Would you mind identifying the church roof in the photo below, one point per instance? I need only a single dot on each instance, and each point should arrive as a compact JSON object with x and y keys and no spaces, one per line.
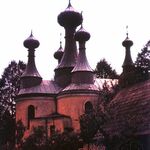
{"x":80,"y":87}
{"x":131,"y":106}
{"x":46,"y":87}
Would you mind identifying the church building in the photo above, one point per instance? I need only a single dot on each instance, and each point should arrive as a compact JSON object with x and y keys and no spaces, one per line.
{"x":57,"y":104}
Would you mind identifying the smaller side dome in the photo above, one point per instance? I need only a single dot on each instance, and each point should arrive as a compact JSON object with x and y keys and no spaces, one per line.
{"x":59,"y":53}
{"x":31,"y":42}
{"x":82,"y":35}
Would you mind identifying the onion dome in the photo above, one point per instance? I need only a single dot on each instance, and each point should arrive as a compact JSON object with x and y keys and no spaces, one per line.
{"x":82,"y":63}
{"x":59,"y":53}
{"x":31,"y":76}
{"x":127,"y":42}
{"x":128,"y":74}
{"x":31,"y":42}
{"x":82,"y":73}
{"x":70,"y":17}
{"x":82,"y":35}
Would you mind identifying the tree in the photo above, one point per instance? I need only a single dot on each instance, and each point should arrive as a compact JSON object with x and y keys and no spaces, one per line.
{"x":20,"y":129}
{"x":36,"y":141}
{"x":143,"y":58}
{"x":104,"y":70}
{"x":92,"y":123}
{"x":142,"y":63}
{"x":68,"y":140}
{"x":7,"y":130}
{"x":9,"y":87}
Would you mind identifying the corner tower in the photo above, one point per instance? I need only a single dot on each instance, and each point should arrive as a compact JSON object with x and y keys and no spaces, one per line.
{"x":35,"y":101}
{"x":69,"y":19}
{"x":128,"y":75}
{"x":31,"y":73}
{"x":128,"y":63}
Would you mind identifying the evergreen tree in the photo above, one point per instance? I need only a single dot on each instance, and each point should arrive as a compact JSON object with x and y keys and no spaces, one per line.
{"x":142,"y":63}
{"x":143,"y":58}
{"x":104,"y":70}
{"x":9,"y":87}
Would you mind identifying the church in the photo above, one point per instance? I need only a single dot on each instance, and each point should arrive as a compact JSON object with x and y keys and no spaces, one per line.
{"x":57,"y":104}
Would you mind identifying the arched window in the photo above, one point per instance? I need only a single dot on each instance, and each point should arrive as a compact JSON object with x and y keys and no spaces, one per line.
{"x":88,"y":107}
{"x":31,"y":114}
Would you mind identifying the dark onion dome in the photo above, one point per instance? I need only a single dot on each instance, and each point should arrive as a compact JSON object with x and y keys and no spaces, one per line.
{"x":69,"y":17}
{"x":127,"y":42}
{"x":82,"y":63}
{"x":59,"y":53}
{"x":31,"y":42}
{"x":31,"y":76}
{"x":82,"y":35}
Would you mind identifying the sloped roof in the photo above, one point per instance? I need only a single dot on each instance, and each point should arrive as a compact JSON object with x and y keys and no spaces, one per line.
{"x":80,"y":87}
{"x":47,"y":87}
{"x":131,"y":106}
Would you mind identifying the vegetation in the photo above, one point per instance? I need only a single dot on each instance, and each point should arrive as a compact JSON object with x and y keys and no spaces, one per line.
{"x":104,"y":70}
{"x":142,"y":63}
{"x":20,"y":129}
{"x":9,"y":87}
{"x":92,"y":122}
{"x":68,"y":140}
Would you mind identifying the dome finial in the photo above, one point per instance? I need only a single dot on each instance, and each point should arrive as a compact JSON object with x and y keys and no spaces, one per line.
{"x":82,"y":17}
{"x":69,"y":3}
{"x":31,"y":33}
{"x":60,"y":40}
{"x":127,"y":31}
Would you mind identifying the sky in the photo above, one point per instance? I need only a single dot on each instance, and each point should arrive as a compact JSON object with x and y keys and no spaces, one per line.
{"x":105,"y":20}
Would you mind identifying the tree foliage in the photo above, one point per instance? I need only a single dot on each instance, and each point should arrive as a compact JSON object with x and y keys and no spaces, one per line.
{"x":143,"y":58}
{"x":104,"y":70}
{"x":68,"y":140}
{"x":142,"y":63}
{"x":36,"y":141}
{"x":7,"y":130}
{"x":65,"y":141}
{"x":9,"y":87}
{"x":20,"y":129}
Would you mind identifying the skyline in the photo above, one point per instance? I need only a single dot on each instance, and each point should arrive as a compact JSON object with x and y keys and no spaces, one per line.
{"x":105,"y":21}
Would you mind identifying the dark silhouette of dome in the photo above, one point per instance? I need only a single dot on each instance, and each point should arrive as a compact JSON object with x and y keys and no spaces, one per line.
{"x":31,"y":42}
{"x":82,"y":63}
{"x":82,"y":73}
{"x":82,"y":35}
{"x":127,"y":42}
{"x":31,"y":76}
{"x":69,"y":17}
{"x":59,"y":53}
